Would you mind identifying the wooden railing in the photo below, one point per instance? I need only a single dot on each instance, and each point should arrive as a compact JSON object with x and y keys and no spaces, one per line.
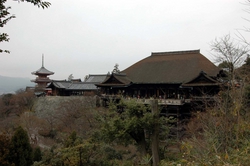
{"x":165,"y":101}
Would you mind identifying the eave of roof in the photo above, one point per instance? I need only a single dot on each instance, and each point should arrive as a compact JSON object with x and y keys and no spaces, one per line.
{"x":42,"y":70}
{"x":113,"y":85}
{"x":119,"y":78}
{"x":69,"y":85}
{"x":202,"y":80}
{"x":60,"y":84}
{"x":96,"y":78}
{"x":201,"y":84}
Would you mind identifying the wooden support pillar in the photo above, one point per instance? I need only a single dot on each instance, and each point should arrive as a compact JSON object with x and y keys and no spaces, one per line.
{"x":155,"y":133}
{"x":178,"y":119}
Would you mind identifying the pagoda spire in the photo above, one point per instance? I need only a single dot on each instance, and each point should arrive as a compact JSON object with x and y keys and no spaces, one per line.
{"x":42,"y":61}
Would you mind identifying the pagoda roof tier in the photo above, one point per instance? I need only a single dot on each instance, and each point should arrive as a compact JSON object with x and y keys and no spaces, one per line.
{"x":42,"y":71}
{"x":41,"y":80}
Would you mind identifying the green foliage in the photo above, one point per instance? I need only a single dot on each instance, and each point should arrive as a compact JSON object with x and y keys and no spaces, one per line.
{"x":125,"y":122}
{"x":247,"y":61}
{"x":85,"y":153}
{"x":244,"y":71}
{"x":38,"y":3}
{"x":146,"y":160}
{"x":4,"y":18}
{"x":130,"y":122}
{"x":72,"y":140}
{"x":37,"y":155}
{"x":20,"y":148}
{"x":226,"y":64}
{"x":219,"y":136}
{"x":111,"y":153}
{"x":7,"y":99}
{"x":247,"y":94}
{"x":4,"y":149}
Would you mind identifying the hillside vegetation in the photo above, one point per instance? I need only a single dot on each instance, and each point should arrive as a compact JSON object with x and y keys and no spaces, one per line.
{"x":73,"y":131}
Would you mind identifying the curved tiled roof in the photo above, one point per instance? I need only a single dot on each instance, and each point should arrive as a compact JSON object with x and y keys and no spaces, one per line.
{"x":116,"y":80}
{"x":97,"y":78}
{"x":43,"y":70}
{"x":170,"y":67}
{"x":60,"y":84}
{"x":71,"y":85}
{"x":202,"y":80}
{"x":82,"y":86}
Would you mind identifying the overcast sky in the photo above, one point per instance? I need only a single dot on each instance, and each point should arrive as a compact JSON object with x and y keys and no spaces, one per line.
{"x":82,"y":37}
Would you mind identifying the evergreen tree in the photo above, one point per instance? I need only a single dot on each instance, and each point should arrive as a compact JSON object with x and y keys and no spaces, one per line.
{"x":131,"y":121}
{"x":37,"y":156}
{"x":4,"y":149}
{"x":20,"y":148}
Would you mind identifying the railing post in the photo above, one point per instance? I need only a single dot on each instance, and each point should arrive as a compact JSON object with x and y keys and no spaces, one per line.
{"x":155,"y":132}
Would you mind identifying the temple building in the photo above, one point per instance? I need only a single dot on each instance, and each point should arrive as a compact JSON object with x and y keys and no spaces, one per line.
{"x":175,"y":78}
{"x":181,"y":81}
{"x":42,"y":78}
{"x":75,"y":87}
{"x":179,"y":74}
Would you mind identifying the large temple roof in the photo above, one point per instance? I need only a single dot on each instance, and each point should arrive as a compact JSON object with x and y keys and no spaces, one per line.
{"x":170,"y":67}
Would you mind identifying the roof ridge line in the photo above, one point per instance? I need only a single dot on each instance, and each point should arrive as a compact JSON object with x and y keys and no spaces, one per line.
{"x":176,"y":52}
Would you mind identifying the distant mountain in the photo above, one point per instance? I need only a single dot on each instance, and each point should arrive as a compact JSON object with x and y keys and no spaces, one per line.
{"x":12,"y":84}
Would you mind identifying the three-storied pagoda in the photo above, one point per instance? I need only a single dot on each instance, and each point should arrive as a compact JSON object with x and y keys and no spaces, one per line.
{"x":42,"y":78}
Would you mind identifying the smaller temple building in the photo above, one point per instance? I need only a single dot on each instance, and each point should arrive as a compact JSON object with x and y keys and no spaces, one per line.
{"x":75,"y":87}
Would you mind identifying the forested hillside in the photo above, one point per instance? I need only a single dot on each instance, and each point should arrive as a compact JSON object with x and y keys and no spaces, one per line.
{"x":77,"y":130}
{"x":74,"y":131}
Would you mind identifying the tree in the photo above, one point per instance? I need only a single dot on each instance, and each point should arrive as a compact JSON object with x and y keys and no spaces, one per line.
{"x":37,"y":156}
{"x":230,"y":53}
{"x":233,"y":54}
{"x":4,"y":149}
{"x":116,"y":69}
{"x":76,"y":114}
{"x":70,"y":77}
{"x":5,"y":16}
{"x":220,"y":134}
{"x":132,"y":122}
{"x":127,"y":121}
{"x":16,"y":104}
{"x":7,"y":104}
{"x":24,"y":100}
{"x":225,"y":64}
{"x":86,"y":78}
{"x":71,"y":141}
{"x":20,"y":148}
{"x":244,"y":70}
